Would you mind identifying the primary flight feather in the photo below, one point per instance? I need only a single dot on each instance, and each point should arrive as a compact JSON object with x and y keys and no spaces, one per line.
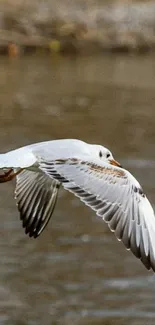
{"x":91,"y":173}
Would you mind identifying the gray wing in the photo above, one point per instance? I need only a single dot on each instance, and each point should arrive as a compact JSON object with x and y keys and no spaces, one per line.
{"x":36,"y":196}
{"x":116,"y":196}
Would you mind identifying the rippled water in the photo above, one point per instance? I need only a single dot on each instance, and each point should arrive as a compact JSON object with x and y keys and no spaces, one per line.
{"x":76,"y":272}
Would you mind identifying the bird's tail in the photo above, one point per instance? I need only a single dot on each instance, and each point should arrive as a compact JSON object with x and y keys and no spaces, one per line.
{"x":19,"y":158}
{"x":3,"y":161}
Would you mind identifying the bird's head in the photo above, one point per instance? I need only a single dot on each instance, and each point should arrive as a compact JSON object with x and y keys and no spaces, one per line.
{"x":106,"y":155}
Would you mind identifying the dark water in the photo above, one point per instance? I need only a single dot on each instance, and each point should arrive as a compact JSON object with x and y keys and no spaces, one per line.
{"x":76,"y":272}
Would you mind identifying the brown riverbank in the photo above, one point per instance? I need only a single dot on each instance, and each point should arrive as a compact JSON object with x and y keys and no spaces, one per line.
{"x":76,"y":26}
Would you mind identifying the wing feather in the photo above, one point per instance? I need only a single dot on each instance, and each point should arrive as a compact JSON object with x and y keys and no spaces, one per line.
{"x":36,"y":196}
{"x":116,"y":196}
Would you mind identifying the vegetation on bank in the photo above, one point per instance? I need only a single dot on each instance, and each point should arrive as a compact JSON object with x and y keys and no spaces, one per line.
{"x":79,"y":26}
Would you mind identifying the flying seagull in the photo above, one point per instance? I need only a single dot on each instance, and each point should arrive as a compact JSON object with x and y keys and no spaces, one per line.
{"x":90,"y":172}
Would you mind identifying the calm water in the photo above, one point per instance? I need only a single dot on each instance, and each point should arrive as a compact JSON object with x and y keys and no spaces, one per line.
{"x":76,"y":272}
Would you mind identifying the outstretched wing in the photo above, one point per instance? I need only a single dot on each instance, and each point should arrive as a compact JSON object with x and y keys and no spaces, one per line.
{"x":116,"y":196}
{"x":36,"y":196}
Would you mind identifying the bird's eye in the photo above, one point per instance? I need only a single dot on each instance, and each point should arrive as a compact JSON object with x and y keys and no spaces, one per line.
{"x":108,"y":155}
{"x":100,"y":154}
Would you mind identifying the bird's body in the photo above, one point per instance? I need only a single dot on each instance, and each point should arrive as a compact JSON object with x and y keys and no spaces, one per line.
{"x":57,"y":149}
{"x":91,"y":173}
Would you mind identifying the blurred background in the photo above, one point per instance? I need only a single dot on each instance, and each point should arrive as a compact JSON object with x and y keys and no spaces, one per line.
{"x":76,"y":69}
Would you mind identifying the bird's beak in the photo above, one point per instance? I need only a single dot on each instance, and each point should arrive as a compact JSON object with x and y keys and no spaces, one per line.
{"x":115,"y":163}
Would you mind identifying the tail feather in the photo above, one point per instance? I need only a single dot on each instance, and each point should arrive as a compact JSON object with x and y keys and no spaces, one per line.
{"x":19,"y":158}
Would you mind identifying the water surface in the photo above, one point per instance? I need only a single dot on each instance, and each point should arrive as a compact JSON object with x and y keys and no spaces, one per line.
{"x":76,"y":272}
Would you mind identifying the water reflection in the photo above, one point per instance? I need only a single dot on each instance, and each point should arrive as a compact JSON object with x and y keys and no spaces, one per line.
{"x":76,"y":272}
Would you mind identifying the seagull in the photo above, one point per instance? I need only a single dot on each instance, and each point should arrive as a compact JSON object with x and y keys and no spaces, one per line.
{"x":91,"y":173}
